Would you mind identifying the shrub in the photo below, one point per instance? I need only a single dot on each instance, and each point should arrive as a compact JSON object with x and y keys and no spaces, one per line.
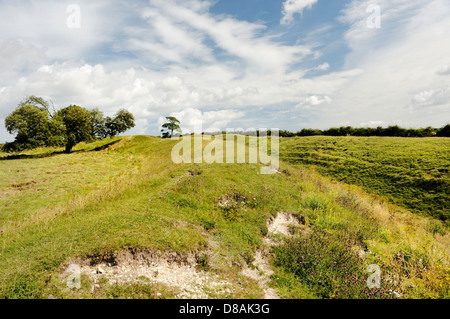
{"x":329,"y":266}
{"x":436,"y":227}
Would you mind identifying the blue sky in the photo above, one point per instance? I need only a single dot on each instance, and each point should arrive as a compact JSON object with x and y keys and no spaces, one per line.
{"x":287,"y":64}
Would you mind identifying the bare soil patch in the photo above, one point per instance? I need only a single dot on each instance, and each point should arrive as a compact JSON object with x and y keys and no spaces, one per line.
{"x":173,"y":269}
{"x":281,"y":224}
{"x":261,"y":272}
{"x":23,"y":186}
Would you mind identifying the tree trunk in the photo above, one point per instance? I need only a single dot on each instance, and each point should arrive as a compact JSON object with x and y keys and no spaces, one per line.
{"x":68,"y":148}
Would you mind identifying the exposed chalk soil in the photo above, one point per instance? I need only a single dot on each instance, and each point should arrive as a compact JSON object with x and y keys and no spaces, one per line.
{"x":181,"y":271}
{"x":281,"y":223}
{"x":172,"y":269}
{"x":262,"y":271}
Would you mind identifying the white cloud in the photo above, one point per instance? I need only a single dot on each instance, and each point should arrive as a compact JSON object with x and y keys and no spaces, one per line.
{"x":193,"y":120}
{"x":373,"y":124}
{"x":169,"y":63}
{"x":291,"y":7}
{"x":44,"y":24}
{"x":323,"y":67}
{"x":432,"y":97}
{"x":238,"y":39}
{"x":313,"y":101}
{"x":17,"y":58}
{"x":444,"y":70}
{"x":399,"y":65}
{"x":163,"y":57}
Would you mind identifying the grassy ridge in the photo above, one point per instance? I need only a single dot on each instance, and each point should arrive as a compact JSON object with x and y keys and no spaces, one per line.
{"x":137,"y":198}
{"x":414,"y":173}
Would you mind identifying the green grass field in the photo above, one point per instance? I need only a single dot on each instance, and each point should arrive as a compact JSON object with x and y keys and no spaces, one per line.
{"x":96,"y":203}
{"x":410,"y":172}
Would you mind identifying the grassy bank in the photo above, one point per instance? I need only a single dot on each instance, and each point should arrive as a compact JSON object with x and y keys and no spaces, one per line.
{"x":413,"y":173}
{"x":97,"y":202}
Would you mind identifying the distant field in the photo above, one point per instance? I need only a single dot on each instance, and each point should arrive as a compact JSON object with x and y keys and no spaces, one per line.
{"x":411,"y":172}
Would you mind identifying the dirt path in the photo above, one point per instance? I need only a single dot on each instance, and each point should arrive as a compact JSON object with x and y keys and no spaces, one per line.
{"x":262,"y":273}
{"x":262,"y":270}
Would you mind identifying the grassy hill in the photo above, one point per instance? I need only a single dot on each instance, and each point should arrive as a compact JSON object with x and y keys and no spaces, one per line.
{"x":413,"y":173}
{"x":140,"y":226}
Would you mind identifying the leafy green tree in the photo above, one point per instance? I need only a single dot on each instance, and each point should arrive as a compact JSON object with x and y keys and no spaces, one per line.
{"x":40,"y":103}
{"x":120,"y":123}
{"x":170,"y":127}
{"x":98,"y":123}
{"x":444,"y":131}
{"x":36,"y":123}
{"x":32,"y":126}
{"x":427,"y":132}
{"x":78,"y":125}
{"x":309,"y":132}
{"x":110,"y":127}
{"x":334,"y":131}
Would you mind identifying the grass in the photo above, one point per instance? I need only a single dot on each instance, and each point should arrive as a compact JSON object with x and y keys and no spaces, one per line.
{"x":410,"y":172}
{"x":135,"y":197}
{"x":38,"y":182}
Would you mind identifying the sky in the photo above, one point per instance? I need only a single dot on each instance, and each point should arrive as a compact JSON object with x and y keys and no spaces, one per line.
{"x":242,"y":64}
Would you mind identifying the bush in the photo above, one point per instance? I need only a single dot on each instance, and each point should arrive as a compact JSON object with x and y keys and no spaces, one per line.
{"x":368,"y":131}
{"x":444,"y":132}
{"x":436,"y":227}
{"x":328,"y":266}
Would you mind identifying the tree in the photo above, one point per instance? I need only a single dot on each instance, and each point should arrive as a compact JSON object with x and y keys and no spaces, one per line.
{"x":31,"y":124}
{"x":83,"y":125}
{"x":170,"y":127}
{"x":121,"y":122}
{"x":98,"y":123}
{"x":36,"y":124}
{"x":40,"y":103}
{"x":444,"y":131}
{"x":110,"y":127}
{"x":78,"y":125}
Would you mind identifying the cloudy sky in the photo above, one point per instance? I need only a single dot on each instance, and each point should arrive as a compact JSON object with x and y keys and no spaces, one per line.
{"x":287,"y":64}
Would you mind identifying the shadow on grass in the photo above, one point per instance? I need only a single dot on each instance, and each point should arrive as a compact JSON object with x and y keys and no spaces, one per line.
{"x":50,"y":154}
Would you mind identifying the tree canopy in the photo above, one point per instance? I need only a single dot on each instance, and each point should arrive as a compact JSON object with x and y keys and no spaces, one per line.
{"x":171,"y":126}
{"x":35,"y":125}
{"x":32,"y":126}
{"x":78,"y":125}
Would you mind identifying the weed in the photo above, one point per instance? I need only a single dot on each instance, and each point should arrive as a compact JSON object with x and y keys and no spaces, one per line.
{"x":203,"y":263}
{"x":208,"y":223}
{"x":232,"y":203}
{"x":433,"y":284}
{"x":327,"y":265}
{"x":314,"y":204}
{"x":436,"y":227}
